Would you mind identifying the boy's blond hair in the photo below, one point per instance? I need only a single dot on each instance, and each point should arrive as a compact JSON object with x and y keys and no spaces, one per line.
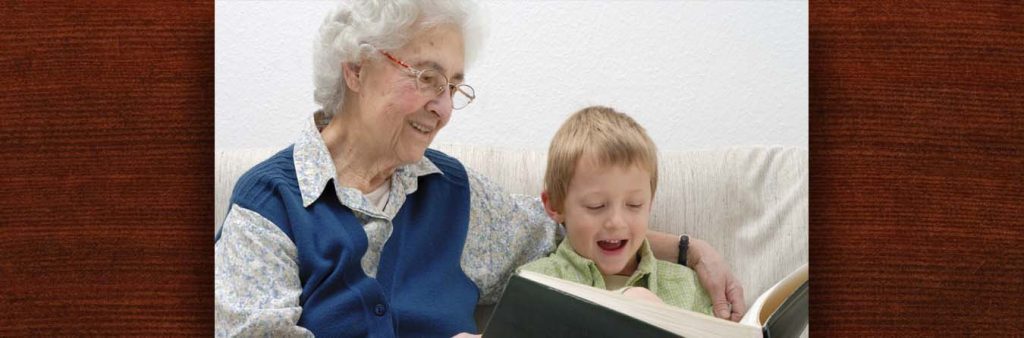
{"x":610,"y":137}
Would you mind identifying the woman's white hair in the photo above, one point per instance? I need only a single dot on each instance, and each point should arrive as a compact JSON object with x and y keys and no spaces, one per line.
{"x":348,"y":32}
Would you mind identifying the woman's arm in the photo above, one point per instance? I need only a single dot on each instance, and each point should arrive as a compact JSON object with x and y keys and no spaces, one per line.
{"x":712,"y":271}
{"x":256,"y":279}
{"x":505,"y":231}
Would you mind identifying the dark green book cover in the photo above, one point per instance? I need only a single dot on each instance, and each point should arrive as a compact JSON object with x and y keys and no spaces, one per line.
{"x":531,"y":309}
{"x":790,"y":318}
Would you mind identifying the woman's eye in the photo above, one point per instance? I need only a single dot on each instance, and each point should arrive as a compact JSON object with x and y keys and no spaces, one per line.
{"x":634,"y":206}
{"x":595,"y":207}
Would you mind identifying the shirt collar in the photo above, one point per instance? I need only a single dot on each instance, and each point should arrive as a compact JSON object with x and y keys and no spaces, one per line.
{"x":314,"y":167}
{"x":586,"y":267}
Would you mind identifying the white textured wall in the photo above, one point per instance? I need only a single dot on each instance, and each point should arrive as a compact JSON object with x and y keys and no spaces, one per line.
{"x":697,"y":75}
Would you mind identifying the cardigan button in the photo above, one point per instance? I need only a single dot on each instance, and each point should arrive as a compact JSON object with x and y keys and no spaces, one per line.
{"x":380,"y":310}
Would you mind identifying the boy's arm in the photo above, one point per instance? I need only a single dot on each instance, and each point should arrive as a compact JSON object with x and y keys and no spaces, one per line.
{"x":546,"y":266}
{"x":712,"y":271}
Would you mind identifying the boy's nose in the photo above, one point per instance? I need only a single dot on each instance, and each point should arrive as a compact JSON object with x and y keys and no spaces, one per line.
{"x":616,"y":219}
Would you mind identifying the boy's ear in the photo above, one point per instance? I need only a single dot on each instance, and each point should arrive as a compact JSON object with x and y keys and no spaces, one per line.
{"x":352,"y":72}
{"x":548,"y":208}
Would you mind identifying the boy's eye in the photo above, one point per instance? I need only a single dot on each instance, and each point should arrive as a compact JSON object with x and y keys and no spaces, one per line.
{"x":595,"y":207}
{"x":634,"y":205}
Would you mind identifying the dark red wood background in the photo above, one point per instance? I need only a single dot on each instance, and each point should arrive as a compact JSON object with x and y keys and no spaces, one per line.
{"x":916,"y":141}
{"x":917,"y":168}
{"x":106,"y":167}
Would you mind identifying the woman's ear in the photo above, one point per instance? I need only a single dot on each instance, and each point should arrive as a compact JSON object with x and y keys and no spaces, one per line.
{"x":352,"y":73}
{"x":549,"y":208}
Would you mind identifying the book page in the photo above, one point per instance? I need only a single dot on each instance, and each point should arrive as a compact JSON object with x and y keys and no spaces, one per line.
{"x":769,"y":301}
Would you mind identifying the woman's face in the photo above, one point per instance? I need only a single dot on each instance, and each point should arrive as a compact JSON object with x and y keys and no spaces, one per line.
{"x":402,"y":117}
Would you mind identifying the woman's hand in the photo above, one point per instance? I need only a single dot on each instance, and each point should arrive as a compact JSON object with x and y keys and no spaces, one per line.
{"x":467,"y":335}
{"x":713,"y":272}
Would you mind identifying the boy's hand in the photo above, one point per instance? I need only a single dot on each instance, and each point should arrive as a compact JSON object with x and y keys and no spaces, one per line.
{"x":641,"y":294}
{"x":725,"y":291}
{"x":466,"y":335}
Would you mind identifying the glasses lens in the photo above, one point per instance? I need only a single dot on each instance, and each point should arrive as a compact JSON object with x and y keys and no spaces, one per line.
{"x":431,"y":81}
{"x":462,"y":96}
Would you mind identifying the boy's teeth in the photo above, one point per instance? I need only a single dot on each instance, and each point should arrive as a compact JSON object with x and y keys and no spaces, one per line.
{"x":611,"y":244}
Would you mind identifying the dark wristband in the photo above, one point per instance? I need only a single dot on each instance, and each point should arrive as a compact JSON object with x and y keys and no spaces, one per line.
{"x":684,"y":245}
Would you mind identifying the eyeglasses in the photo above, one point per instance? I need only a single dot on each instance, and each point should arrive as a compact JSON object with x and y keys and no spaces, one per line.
{"x":432,"y":82}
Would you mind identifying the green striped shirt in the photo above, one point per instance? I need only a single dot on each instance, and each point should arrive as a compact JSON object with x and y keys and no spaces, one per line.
{"x":675,"y":284}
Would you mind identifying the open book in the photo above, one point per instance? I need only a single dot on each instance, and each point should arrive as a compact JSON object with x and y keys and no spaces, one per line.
{"x":535,"y":305}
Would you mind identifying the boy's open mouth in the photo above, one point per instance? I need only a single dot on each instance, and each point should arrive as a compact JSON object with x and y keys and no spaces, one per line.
{"x":612,"y":244}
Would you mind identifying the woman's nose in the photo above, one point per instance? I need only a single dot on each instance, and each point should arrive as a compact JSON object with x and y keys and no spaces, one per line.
{"x":442,"y":103}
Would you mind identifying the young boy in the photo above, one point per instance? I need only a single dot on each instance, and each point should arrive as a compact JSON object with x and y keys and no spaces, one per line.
{"x":600,"y":182}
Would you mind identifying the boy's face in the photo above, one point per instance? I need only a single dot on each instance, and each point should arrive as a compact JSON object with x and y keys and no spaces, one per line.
{"x":605,"y":214}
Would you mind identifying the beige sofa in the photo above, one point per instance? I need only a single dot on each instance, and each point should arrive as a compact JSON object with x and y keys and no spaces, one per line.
{"x":750,"y":203}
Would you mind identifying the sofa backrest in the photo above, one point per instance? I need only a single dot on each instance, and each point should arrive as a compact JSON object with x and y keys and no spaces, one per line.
{"x":750,"y":203}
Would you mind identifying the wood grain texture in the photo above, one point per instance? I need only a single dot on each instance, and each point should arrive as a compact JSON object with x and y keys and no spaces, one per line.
{"x":917,"y":178}
{"x":106,"y":155}
{"x":916,"y":171}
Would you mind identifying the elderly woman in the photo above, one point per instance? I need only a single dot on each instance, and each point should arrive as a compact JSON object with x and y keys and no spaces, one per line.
{"x":358,"y":229}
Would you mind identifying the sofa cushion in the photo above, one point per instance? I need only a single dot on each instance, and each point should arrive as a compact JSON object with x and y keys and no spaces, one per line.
{"x":750,"y":203}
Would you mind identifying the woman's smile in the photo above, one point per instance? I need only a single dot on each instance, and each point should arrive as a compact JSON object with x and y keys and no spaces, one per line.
{"x":420,"y":127}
